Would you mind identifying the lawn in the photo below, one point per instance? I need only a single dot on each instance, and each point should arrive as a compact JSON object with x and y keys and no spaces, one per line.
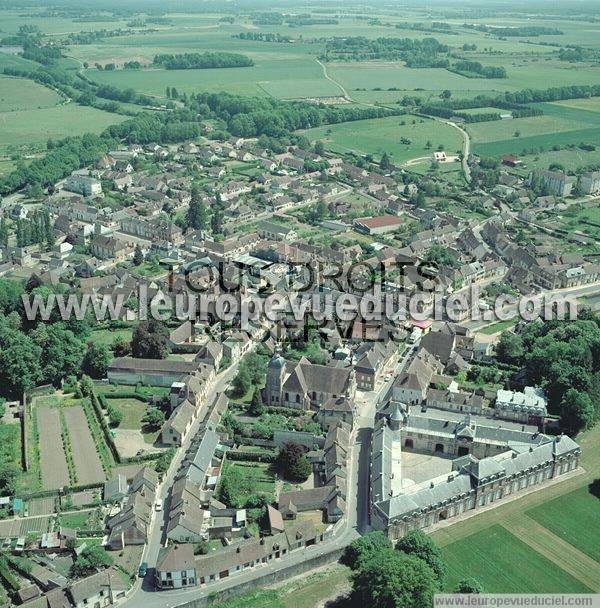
{"x":574,"y":517}
{"x":37,"y":126}
{"x":380,"y":135}
{"x":82,"y":520}
{"x":108,"y":336}
{"x":121,"y":389}
{"x":133,"y":411}
{"x":505,"y":564}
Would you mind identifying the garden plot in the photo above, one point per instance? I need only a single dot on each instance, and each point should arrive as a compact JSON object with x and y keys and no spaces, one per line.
{"x":55,"y":473}
{"x":87,"y":462}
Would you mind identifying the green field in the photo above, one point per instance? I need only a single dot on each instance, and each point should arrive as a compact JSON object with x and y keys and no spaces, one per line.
{"x":505,"y":564}
{"x":283,"y":77}
{"x":591,"y":104}
{"x":23,"y":94}
{"x":37,"y":126}
{"x":496,"y":327}
{"x":383,"y":135}
{"x":574,"y":517}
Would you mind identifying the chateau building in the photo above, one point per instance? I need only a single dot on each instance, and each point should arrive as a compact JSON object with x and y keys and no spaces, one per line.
{"x":491,"y":462}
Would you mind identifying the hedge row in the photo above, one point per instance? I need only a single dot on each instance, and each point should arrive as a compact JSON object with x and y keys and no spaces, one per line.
{"x":250,"y":456}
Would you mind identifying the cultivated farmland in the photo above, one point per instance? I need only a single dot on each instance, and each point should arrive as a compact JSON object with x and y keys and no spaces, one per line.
{"x":87,"y":462}
{"x":37,"y":126}
{"x":55,"y":473}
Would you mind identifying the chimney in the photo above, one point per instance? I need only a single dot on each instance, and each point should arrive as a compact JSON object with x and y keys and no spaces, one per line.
{"x":451,"y":477}
{"x":431,"y":484}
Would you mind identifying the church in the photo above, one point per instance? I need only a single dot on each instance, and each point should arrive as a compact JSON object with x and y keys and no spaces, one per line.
{"x":306,"y":386}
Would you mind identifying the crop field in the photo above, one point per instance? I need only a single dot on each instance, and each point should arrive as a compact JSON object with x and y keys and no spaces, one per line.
{"x":371,"y":74}
{"x":85,"y":456}
{"x":35,"y":126}
{"x":574,"y":518}
{"x":497,"y":130}
{"x":23,"y":94}
{"x":383,"y":135}
{"x":592,"y":104}
{"x":55,"y":473}
{"x":497,"y":559}
{"x":288,"y":77}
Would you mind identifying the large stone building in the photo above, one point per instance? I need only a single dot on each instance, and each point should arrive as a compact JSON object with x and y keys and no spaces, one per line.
{"x":491,"y":461}
{"x":303,"y":385}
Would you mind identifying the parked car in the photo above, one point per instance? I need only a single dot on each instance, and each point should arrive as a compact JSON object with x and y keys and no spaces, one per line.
{"x":158,"y":505}
{"x":143,"y":569}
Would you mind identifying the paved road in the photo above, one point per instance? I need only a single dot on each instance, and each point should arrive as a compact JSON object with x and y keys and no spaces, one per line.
{"x":575,"y":292}
{"x":356,"y":522}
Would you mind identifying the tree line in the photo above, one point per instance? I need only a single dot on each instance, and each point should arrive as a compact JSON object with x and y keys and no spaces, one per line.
{"x":254,"y":116}
{"x":262,"y":37}
{"x":202,"y":61}
{"x":415,"y":53}
{"x":479,"y":70}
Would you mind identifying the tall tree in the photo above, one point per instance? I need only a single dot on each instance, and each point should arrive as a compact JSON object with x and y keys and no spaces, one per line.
{"x":138,"y":256}
{"x":256,"y":405}
{"x":293,"y":462}
{"x":96,"y":360}
{"x":420,"y":545}
{"x":364,"y":548}
{"x":385,"y":163}
{"x":197,"y":215}
{"x":150,"y":340}
{"x":391,"y":579}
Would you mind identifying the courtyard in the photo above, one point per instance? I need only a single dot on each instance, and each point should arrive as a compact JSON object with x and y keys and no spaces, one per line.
{"x":417,"y":468}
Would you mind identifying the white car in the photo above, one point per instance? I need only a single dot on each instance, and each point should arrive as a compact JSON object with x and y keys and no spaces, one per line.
{"x":158,"y":505}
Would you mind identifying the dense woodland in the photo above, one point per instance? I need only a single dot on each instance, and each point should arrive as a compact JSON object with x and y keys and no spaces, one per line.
{"x":202,"y":61}
{"x":426,"y":53}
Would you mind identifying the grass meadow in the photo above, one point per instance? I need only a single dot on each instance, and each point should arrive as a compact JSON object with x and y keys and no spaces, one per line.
{"x":377,"y":136}
{"x":574,"y":517}
{"x":503,"y":563}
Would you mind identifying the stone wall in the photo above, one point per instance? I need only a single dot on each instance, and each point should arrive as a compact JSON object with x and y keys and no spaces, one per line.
{"x":281,"y":575}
